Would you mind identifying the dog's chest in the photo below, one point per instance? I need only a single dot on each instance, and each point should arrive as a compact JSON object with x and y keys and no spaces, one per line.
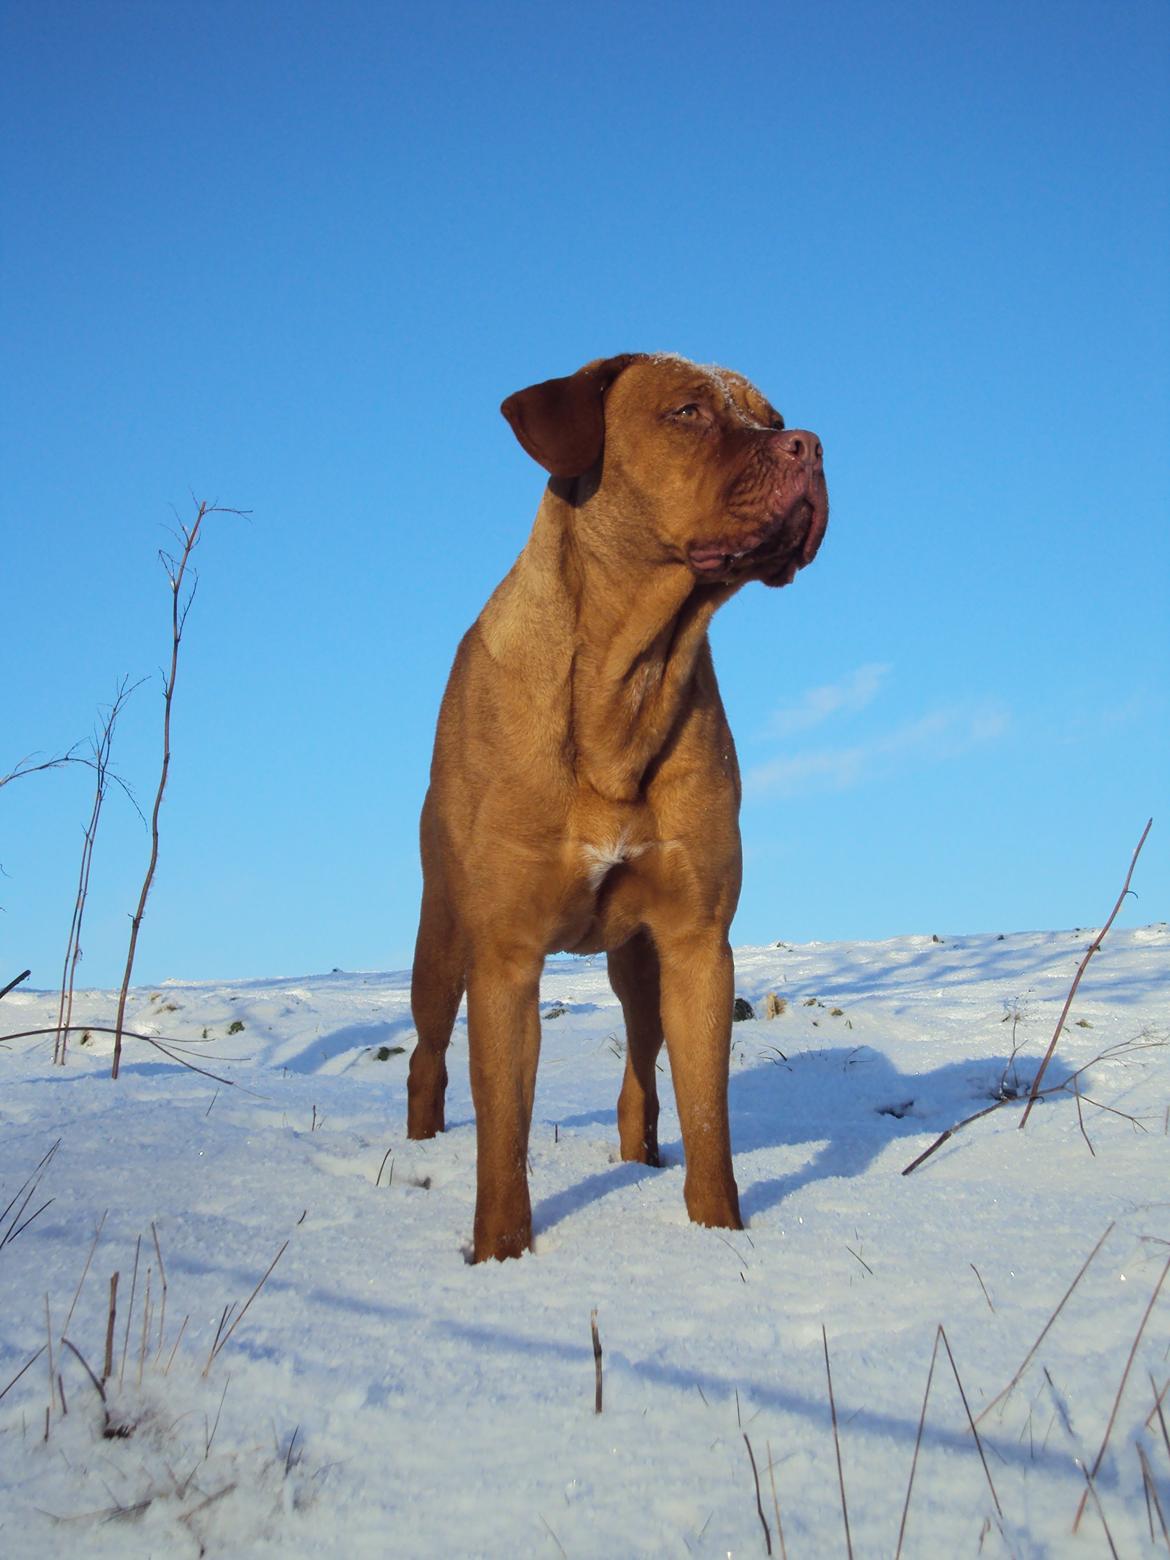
{"x":598,"y":860}
{"x":606,"y":877}
{"x":603,"y":838}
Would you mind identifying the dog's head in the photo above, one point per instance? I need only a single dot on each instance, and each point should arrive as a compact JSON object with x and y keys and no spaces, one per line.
{"x":701,"y":463}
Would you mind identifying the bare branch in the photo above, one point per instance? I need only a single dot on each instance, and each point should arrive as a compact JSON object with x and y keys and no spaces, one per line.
{"x":25,"y":766}
{"x":1081,"y":1117}
{"x":101,"y":758}
{"x":1036,"y":1092}
{"x":28,"y":1190}
{"x":179,"y":609}
{"x":97,"y":1235}
{"x":776,"y":1505}
{"x":597,"y":1382}
{"x":1091,"y":1489}
{"x":837,"y":1445}
{"x":1081,"y":1271}
{"x":970,"y":1419}
{"x":1120,"y":1389}
{"x":759,"y":1502}
{"x":950,"y":1132}
{"x":1151,"y":1490}
{"x":940,"y":1336}
{"x":917,"y":1447}
{"x":27,"y":1366}
{"x":101,"y":1391}
{"x":1081,"y":967}
{"x":221,"y":1339}
{"x":166,"y":1047}
{"x":1121,"y":1046}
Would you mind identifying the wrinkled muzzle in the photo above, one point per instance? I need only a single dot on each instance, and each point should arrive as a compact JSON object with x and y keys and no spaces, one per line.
{"x":778,"y":511}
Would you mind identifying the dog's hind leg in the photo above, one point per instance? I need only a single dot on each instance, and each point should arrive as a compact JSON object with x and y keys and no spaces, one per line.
{"x":436,"y":988}
{"x":633,"y":974}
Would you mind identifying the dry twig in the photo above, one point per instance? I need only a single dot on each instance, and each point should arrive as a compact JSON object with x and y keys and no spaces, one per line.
{"x":49,"y":1347}
{"x":1120,"y":1389}
{"x":130,"y":1310}
{"x":1091,"y":1489}
{"x":180,"y":606}
{"x":1126,"y":1046}
{"x":175,"y":1345}
{"x":552,"y":1535}
{"x":18,"y":1222}
{"x":101,"y":763}
{"x":1081,"y":1271}
{"x":759,"y":1503}
{"x":28,"y":1365}
{"x":158,"y":1042}
{"x":940,"y":1336}
{"x":970,"y":1417}
{"x":1036,"y":1092}
{"x":209,"y":1501}
{"x":983,"y":1286}
{"x":596,"y":1361}
{"x":222,"y":1337}
{"x":1081,"y":967}
{"x":25,"y":767}
{"x":837,"y":1445}
{"x":776,"y":1503}
{"x":1151,"y":1490}
{"x":97,"y":1234}
{"x":109,"y":1430}
{"x":162,"y":1273}
{"x":917,"y":1446}
{"x":209,"y":1435}
{"x":111,"y":1319}
{"x":1156,"y":1411}
{"x":1081,"y":1116}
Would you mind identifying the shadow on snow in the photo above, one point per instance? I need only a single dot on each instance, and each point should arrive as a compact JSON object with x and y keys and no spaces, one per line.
{"x":846,"y":1105}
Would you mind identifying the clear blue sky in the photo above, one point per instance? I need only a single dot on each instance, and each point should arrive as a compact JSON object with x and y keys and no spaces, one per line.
{"x":291,"y":256}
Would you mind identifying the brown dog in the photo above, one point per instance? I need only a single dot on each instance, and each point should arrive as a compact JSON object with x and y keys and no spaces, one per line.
{"x":584,"y":791}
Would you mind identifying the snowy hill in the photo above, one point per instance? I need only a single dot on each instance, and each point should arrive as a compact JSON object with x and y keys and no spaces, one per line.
{"x":380,"y":1396}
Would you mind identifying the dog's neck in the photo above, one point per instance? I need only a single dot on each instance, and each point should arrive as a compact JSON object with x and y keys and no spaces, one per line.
{"x":637,"y":634}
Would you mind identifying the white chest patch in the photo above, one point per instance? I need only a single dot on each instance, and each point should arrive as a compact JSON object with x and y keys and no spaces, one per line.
{"x":601,"y":859}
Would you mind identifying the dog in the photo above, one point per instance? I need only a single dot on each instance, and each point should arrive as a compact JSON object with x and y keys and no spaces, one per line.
{"x":584,"y":793}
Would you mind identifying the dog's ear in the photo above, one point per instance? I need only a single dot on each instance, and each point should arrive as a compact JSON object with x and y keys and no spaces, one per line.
{"x":561,"y":422}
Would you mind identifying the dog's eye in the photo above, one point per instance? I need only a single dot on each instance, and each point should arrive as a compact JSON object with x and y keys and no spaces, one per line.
{"x":693,"y":413}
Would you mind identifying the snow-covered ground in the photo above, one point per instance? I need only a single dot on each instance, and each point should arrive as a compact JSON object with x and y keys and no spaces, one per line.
{"x":379,"y":1396}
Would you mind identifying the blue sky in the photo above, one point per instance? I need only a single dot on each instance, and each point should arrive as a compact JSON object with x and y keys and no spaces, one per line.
{"x":291,"y":257}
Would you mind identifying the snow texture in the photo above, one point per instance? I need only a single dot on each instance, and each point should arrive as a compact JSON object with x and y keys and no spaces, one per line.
{"x":380,"y":1396}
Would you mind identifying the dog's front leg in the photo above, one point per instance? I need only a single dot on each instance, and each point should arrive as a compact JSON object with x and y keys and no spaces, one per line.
{"x":698,"y":991}
{"x":503,"y":1023}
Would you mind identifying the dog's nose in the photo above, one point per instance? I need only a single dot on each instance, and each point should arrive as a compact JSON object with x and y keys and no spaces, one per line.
{"x":799,"y":444}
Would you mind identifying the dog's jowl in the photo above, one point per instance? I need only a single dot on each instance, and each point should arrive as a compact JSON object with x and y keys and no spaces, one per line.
{"x":584,"y":792}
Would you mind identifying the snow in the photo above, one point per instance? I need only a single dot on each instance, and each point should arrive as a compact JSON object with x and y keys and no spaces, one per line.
{"x":381,"y":1396}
